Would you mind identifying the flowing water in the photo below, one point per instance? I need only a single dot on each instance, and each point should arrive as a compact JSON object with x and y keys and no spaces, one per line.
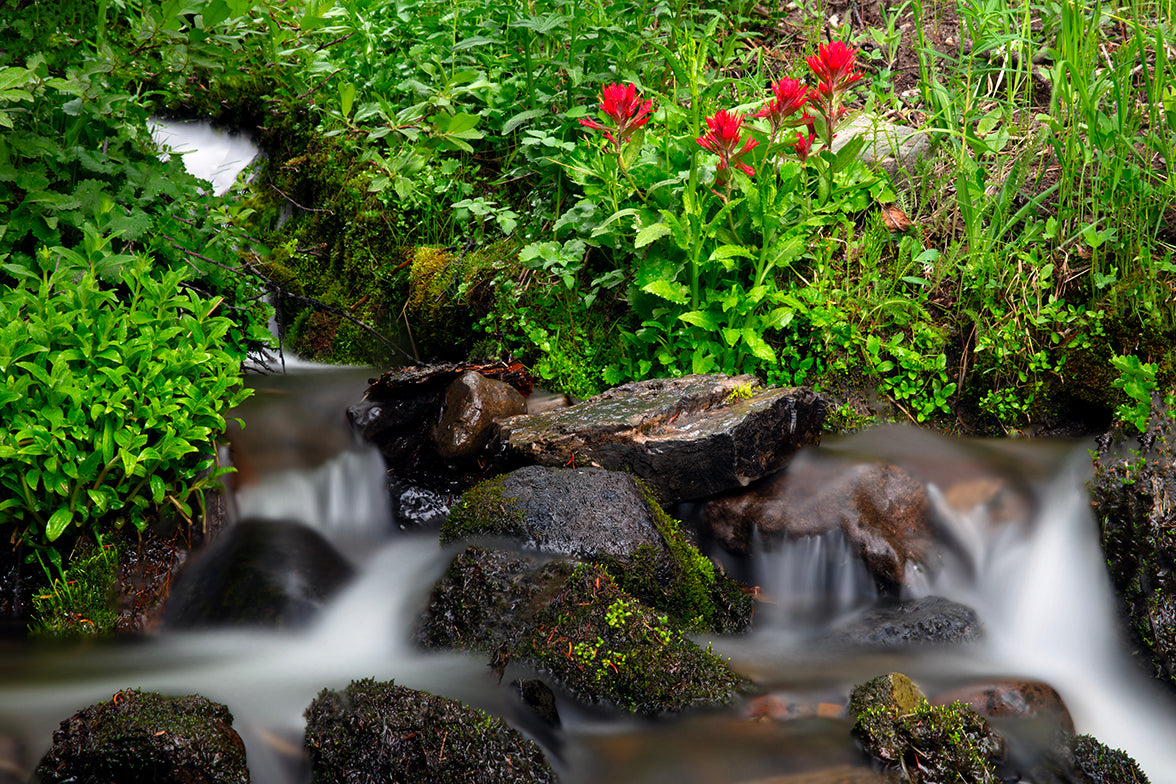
{"x":1030,"y":567}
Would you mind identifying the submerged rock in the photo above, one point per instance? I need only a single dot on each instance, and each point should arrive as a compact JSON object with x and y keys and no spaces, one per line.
{"x":378,"y":731}
{"x":1131,"y":493}
{"x":687,"y":437}
{"x":883,"y":512}
{"x":1012,"y":699}
{"x":573,"y":621}
{"x":258,"y":572}
{"x":147,"y":737}
{"x":931,"y":620}
{"x":608,"y":518}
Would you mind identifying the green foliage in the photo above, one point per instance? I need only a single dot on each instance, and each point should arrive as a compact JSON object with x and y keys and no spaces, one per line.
{"x":80,"y":602}
{"x":113,"y":396}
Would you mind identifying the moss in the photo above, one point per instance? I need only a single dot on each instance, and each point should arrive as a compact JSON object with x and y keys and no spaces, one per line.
{"x":574,"y":621}
{"x":686,"y":585}
{"x":143,"y":736}
{"x":1081,"y":759}
{"x":603,"y":643}
{"x":899,"y":728}
{"x":378,"y":731}
{"x":483,"y":511}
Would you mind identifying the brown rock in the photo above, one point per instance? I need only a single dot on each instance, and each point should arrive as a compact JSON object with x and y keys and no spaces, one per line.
{"x":883,"y":512}
{"x":1016,"y":699}
{"x":688,"y":437}
{"x":472,"y":403}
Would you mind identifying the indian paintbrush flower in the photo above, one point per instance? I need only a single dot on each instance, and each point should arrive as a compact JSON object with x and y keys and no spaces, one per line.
{"x":834,"y":66}
{"x":790,"y":98}
{"x":803,"y":145}
{"x":623,"y":108}
{"x":723,"y":139}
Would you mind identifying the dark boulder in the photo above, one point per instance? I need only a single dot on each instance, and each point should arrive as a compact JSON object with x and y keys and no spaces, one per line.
{"x":1012,"y":699}
{"x":608,"y":518}
{"x":883,"y":512}
{"x":378,"y":731}
{"x":931,"y":620}
{"x":146,"y":737}
{"x":1131,"y":494}
{"x":687,"y":437}
{"x":932,"y":744}
{"x":258,"y":572}
{"x":573,"y":621}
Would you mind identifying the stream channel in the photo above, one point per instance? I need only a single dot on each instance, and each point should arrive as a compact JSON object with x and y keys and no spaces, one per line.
{"x":1036,"y":579}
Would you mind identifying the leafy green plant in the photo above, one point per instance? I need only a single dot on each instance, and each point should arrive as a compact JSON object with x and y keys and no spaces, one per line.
{"x":113,"y":398}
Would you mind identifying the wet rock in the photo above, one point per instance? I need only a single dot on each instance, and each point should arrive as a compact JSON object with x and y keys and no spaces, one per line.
{"x":378,"y":731}
{"x":1082,"y":759}
{"x":901,"y":730}
{"x":931,"y":620}
{"x":1015,"y":699}
{"x":539,"y":699}
{"x":573,"y":621}
{"x":687,"y":437}
{"x":883,"y":512}
{"x":1131,"y":494}
{"x":18,"y":580}
{"x":472,"y":403}
{"x":401,"y":408}
{"x":608,"y":518}
{"x":258,"y":572}
{"x":14,"y":765}
{"x":787,"y":707}
{"x":143,"y":736}
{"x":887,"y":145}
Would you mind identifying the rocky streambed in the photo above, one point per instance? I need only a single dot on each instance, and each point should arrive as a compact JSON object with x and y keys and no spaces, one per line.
{"x":669,"y":581}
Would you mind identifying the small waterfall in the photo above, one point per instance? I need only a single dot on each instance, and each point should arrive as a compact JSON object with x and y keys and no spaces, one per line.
{"x":811,"y":581}
{"x":211,"y":154}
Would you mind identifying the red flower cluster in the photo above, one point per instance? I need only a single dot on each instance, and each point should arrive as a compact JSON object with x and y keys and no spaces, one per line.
{"x":790,"y":97}
{"x":834,"y":66}
{"x":625,"y":111}
{"x":723,"y":140}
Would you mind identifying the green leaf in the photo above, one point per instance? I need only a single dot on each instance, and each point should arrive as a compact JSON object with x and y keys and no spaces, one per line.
{"x":346,"y":98}
{"x":650,"y":234}
{"x":520,"y":118}
{"x":700,"y":318}
{"x":673,"y":291}
{"x":58,"y":522}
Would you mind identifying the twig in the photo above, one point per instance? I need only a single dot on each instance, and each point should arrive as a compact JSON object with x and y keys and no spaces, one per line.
{"x":296,"y":204}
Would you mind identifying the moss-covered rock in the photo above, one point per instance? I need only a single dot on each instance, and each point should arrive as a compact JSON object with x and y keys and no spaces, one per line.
{"x":611,"y":519}
{"x":143,"y":736}
{"x":378,"y":731}
{"x":575,"y":622}
{"x":900,"y":729}
{"x":1080,"y":759}
{"x":1130,"y":493}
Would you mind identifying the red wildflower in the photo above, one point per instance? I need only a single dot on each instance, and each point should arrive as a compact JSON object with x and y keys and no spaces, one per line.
{"x":723,"y":140}
{"x":623,"y":107}
{"x":803,"y":145}
{"x":790,"y":97}
{"x":834,"y":66}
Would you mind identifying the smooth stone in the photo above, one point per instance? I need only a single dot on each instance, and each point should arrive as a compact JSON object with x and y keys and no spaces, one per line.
{"x":931,"y":620}
{"x":887,"y":145}
{"x":472,"y":404}
{"x":1007,"y":698}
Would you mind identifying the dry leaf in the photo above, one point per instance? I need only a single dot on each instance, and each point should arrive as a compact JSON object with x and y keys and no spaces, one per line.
{"x":896,"y":219}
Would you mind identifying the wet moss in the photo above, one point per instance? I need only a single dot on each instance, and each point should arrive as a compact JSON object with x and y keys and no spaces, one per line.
{"x":483,"y":511}
{"x":900,"y":729}
{"x":143,"y":736}
{"x":379,"y":731}
{"x":575,"y":622}
{"x":1081,"y":759}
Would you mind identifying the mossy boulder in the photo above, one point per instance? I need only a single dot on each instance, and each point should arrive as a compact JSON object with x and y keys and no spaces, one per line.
{"x":143,"y":736}
{"x":574,"y":621}
{"x":901,"y":730}
{"x":1130,"y":494}
{"x":1081,"y":759}
{"x":379,"y":731}
{"x":611,"y":519}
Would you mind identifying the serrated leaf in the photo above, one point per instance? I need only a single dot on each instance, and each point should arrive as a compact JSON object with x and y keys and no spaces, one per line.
{"x":520,"y":118}
{"x":650,"y":234}
{"x":700,"y":318}
{"x":669,"y":290}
